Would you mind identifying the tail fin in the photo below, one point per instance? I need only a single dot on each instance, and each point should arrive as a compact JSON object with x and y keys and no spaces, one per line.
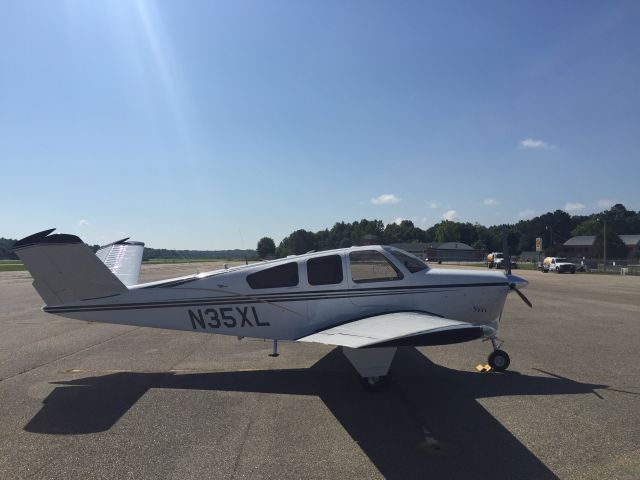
{"x":64,"y":269}
{"x":123,"y":258}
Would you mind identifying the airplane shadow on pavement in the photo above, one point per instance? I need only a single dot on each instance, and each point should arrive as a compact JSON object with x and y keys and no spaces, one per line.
{"x":429,"y":424}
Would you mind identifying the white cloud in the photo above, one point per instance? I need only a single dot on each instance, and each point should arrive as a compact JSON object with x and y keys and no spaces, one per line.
{"x":573,"y":206}
{"x":490,"y":202}
{"x":450,"y":215}
{"x":83,"y":223}
{"x":433,"y":204}
{"x":385,"y":199}
{"x":530,"y":143}
{"x":526,"y":213}
{"x":399,"y":220}
{"x":605,"y":203}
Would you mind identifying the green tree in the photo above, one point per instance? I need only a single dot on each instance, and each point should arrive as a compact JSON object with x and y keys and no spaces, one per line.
{"x":467,"y":233}
{"x":590,"y":226}
{"x":297,"y":243}
{"x":447,"y":231}
{"x":266,"y":247}
{"x":615,"y":246}
{"x":403,"y":232}
{"x":6,"y":252}
{"x":480,"y":246}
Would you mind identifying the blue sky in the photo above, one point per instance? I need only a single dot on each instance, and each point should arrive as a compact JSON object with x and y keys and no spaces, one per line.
{"x":208,"y":124}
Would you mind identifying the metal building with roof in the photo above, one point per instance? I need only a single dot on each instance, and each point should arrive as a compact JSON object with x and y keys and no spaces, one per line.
{"x":580,"y":246}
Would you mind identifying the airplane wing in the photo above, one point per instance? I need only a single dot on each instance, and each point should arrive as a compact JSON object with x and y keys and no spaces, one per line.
{"x":398,"y":329}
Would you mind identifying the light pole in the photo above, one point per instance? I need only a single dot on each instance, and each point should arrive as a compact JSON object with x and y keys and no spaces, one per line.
{"x":604,"y":253}
{"x":604,"y":221}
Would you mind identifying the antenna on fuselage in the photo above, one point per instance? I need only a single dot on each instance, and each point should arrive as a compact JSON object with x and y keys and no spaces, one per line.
{"x":246,"y":260}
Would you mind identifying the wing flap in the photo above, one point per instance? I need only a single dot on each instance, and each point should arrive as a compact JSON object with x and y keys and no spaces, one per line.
{"x":397,"y":329}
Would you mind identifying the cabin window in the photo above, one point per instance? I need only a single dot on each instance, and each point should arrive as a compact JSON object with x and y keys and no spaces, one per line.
{"x":411,"y":263}
{"x":324,"y":270}
{"x":372,"y":266}
{"x":275,"y":277}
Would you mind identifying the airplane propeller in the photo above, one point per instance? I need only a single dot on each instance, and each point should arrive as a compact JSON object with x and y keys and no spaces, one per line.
{"x":514,"y":280}
{"x":513,"y":287}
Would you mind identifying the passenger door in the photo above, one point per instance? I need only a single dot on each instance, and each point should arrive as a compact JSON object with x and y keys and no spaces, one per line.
{"x":375,"y":282}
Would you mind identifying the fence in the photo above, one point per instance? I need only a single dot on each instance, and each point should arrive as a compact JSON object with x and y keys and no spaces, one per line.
{"x":618,"y":266}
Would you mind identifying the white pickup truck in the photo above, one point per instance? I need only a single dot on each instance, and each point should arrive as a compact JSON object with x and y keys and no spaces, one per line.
{"x":558,"y":265}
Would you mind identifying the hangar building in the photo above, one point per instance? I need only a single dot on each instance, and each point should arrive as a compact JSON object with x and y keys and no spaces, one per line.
{"x":580,"y":246}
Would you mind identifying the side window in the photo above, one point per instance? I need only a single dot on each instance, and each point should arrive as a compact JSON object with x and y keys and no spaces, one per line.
{"x":281,"y":276}
{"x":372,"y":266}
{"x":411,"y":263}
{"x":324,"y":270}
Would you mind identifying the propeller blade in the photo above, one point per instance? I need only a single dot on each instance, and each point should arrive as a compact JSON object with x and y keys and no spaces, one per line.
{"x":521,"y":295}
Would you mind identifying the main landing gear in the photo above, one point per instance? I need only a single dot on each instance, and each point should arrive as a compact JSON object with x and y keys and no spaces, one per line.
{"x":375,"y":383}
{"x":372,"y":364}
{"x":498,"y":359}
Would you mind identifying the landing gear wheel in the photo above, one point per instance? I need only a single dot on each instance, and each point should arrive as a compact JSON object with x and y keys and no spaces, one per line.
{"x":376,"y":384}
{"x":499,"y":360}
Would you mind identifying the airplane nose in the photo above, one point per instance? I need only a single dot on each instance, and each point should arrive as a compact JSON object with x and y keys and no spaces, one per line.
{"x":517,"y":281}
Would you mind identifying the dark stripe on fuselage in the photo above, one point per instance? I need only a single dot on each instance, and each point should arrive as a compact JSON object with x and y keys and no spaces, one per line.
{"x":281,"y":297}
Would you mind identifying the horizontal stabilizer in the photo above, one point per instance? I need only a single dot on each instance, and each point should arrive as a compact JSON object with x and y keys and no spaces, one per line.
{"x":64,"y":269}
{"x":124,"y":259}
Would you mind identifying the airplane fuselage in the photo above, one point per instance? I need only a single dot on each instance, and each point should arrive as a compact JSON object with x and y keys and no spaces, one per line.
{"x":240,"y":301}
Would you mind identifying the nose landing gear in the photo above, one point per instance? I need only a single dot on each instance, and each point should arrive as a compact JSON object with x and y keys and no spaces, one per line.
{"x":498,"y":359}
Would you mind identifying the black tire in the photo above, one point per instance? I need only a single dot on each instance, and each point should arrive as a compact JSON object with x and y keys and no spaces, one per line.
{"x":376,"y":384}
{"x":499,"y":360}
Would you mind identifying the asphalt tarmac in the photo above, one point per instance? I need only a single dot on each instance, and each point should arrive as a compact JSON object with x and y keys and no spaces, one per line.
{"x":80,"y":400}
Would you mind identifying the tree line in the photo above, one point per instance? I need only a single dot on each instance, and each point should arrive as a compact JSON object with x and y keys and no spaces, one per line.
{"x":6,"y":253}
{"x":166,"y":254}
{"x":553,"y":227}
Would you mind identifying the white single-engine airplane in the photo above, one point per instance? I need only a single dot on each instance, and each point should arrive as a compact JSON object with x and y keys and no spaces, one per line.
{"x":369,"y":300}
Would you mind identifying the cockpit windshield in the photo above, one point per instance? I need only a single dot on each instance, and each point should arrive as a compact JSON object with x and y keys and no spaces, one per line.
{"x":410,"y":262}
